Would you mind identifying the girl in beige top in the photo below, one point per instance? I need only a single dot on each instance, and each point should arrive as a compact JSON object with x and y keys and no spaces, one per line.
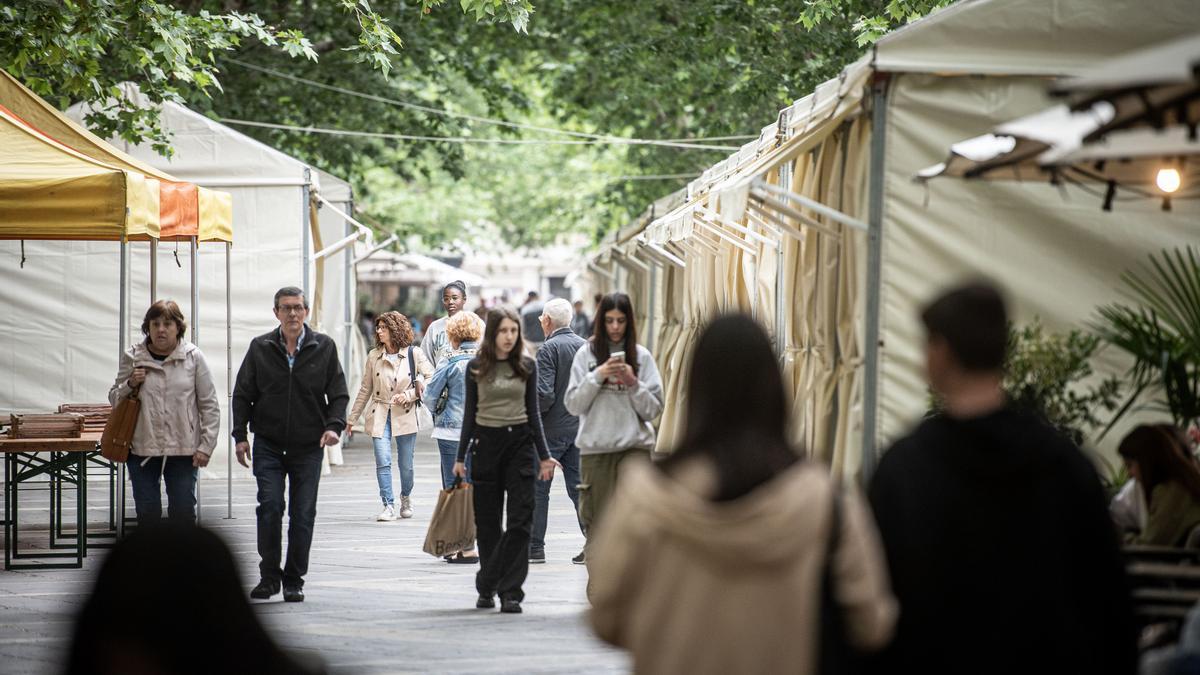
{"x":390,"y":395}
{"x":717,"y":560}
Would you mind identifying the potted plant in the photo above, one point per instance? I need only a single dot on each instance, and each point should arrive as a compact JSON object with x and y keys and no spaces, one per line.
{"x":1161,"y":332}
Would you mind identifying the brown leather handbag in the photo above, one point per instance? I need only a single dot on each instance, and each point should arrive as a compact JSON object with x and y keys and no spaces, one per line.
{"x":118,"y":430}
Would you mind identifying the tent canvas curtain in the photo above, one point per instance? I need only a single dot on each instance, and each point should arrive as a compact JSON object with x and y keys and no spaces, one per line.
{"x":1056,"y":253}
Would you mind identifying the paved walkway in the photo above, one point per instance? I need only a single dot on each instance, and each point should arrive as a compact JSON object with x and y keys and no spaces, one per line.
{"x":375,"y":602}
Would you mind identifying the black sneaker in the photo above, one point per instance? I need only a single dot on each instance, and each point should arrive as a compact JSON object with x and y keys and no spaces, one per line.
{"x":537,"y":556}
{"x":264,"y":589}
{"x":510,"y":607}
{"x":293,"y":594}
{"x":485,"y":602}
{"x":580,"y":559}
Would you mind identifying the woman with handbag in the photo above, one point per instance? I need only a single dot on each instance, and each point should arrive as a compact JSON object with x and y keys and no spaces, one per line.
{"x":735,"y":555}
{"x":179,"y":419}
{"x":446,"y":394}
{"x":390,"y":393}
{"x":502,"y":429}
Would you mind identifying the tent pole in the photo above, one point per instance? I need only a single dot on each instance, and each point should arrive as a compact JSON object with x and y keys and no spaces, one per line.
{"x":653,"y":270}
{"x":785,"y":176}
{"x":153,"y":271}
{"x":785,"y":179}
{"x":193,"y":259}
{"x":347,"y":295}
{"x":228,"y":384}
{"x":304,"y":207}
{"x":122,"y":327}
{"x":874,"y":277}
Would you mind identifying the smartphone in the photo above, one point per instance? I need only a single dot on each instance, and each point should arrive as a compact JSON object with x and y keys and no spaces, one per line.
{"x":617,"y":355}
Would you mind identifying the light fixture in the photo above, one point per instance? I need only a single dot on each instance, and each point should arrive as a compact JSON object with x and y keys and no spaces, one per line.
{"x":1168,"y":180}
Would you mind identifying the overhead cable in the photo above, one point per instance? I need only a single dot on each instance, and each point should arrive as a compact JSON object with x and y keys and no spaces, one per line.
{"x":449,"y":139}
{"x":488,"y":120}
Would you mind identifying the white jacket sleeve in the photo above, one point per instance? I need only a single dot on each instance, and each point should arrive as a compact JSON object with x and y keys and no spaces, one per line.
{"x":583,"y":387}
{"x":121,"y":389}
{"x":647,"y":396}
{"x":209,"y":406}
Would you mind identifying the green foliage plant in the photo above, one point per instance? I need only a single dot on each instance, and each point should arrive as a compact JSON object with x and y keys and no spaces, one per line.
{"x":1051,"y":375}
{"x":1161,"y":331}
{"x":72,"y":51}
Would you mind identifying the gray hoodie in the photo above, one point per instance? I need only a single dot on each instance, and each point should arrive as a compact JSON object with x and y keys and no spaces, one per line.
{"x":613,"y":417}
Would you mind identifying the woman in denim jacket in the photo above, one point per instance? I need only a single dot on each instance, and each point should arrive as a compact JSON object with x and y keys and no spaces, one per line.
{"x":449,"y":383}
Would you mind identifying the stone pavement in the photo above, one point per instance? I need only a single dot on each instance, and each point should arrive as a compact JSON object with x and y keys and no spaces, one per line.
{"x":375,"y":602}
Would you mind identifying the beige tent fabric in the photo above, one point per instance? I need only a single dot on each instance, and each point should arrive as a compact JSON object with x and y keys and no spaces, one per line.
{"x":1055,"y":252}
{"x":822,"y":361}
{"x":821,"y":367}
{"x":1031,"y":37}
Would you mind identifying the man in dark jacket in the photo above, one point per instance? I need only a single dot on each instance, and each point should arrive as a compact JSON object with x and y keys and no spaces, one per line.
{"x":554,"y":374}
{"x":998,"y":539}
{"x":292,"y":392}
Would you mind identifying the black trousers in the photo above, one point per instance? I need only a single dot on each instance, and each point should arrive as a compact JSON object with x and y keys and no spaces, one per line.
{"x":301,"y":470}
{"x":504,"y":462}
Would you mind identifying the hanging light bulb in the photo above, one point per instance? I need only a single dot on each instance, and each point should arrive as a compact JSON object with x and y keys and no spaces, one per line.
{"x":1168,"y":180}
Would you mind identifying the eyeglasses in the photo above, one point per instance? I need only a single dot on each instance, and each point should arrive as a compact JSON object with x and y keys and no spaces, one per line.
{"x":291,"y":309}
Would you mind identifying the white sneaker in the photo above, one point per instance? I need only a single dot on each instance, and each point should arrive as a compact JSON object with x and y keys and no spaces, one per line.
{"x":387,"y":514}
{"x":405,"y":507}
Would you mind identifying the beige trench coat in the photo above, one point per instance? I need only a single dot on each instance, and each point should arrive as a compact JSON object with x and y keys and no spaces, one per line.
{"x":376,"y":390}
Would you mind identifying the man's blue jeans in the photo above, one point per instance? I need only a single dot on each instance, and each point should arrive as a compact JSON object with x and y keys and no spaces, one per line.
{"x":405,"y":446}
{"x":449,"y":452}
{"x":180,"y":477}
{"x":563,"y":448}
{"x":301,"y":469}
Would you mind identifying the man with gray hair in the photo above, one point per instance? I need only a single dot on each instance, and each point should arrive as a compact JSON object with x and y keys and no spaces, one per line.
{"x":554,"y":373}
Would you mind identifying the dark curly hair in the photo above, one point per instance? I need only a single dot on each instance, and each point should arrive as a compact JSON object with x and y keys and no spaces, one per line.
{"x":400,"y":328}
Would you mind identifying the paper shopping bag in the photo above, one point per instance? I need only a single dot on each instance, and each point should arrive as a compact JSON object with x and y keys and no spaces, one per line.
{"x":452,"y":527}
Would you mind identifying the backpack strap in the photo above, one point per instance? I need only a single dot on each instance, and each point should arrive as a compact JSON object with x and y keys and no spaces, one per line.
{"x":412,"y":371}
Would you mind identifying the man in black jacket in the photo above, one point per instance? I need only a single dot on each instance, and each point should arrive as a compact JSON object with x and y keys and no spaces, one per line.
{"x":996,"y":527}
{"x":292,"y":392}
{"x":554,"y":361}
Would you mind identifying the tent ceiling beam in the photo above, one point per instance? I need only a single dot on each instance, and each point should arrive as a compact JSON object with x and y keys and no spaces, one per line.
{"x":336,"y":246}
{"x":377,"y":248}
{"x":763,"y":208}
{"x":718,"y":219}
{"x":700,"y":245}
{"x":370,"y":234}
{"x":739,"y":243}
{"x":629,"y":260}
{"x":664,"y":255}
{"x":601,"y":271}
{"x":813,"y":205}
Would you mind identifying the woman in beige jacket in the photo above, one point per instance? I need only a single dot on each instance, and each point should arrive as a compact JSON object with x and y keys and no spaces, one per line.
{"x":180,"y":417}
{"x":390,"y":395}
{"x":716,"y":560}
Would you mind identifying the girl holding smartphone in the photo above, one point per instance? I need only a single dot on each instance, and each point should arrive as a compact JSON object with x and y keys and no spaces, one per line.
{"x":616,"y":392}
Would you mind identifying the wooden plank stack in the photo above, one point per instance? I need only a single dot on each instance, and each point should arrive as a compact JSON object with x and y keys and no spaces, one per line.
{"x":95,"y":415}
{"x":53,"y":425}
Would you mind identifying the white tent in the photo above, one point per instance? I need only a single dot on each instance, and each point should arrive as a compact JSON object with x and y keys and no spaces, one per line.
{"x":63,"y":320}
{"x":837,"y":248}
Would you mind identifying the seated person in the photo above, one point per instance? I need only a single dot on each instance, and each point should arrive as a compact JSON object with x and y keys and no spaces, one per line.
{"x":1169,"y":480}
